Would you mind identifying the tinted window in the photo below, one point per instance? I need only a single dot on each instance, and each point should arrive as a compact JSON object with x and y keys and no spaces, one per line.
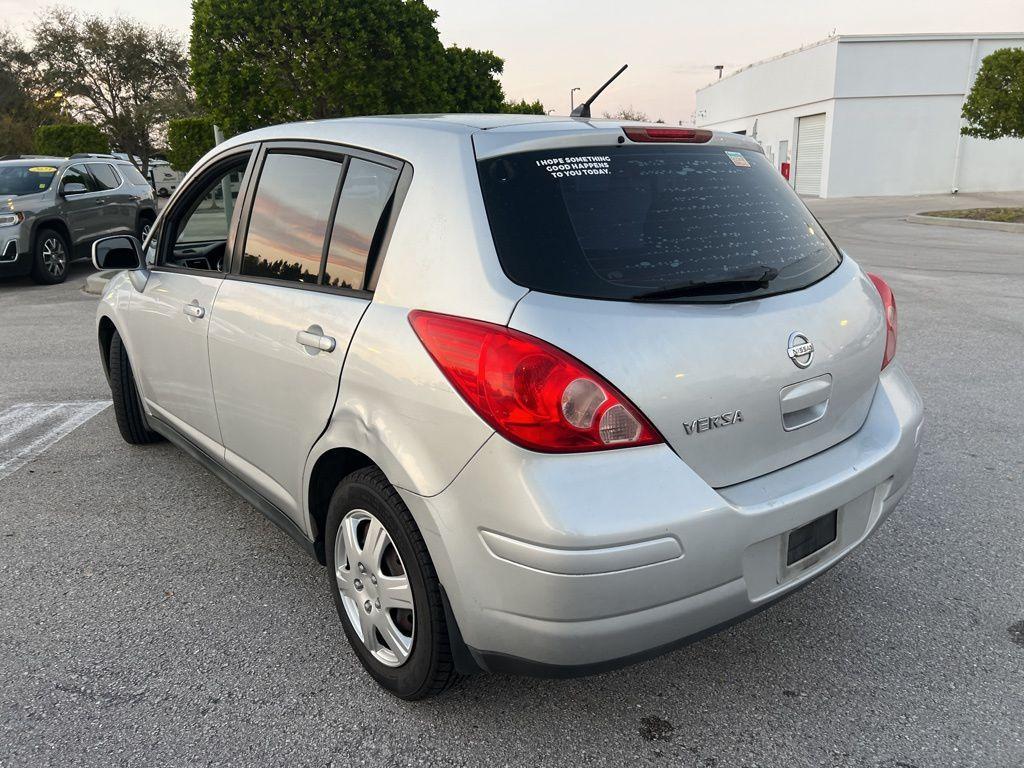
{"x":76,"y":174}
{"x":365,"y":194}
{"x":105,"y":176}
{"x":209,"y":218}
{"x":25,"y":179}
{"x":625,"y":221}
{"x":132,"y":175}
{"x":289,"y":219}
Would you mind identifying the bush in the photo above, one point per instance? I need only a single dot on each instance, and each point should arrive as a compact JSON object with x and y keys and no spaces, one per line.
{"x":70,"y":139}
{"x":188,"y":139}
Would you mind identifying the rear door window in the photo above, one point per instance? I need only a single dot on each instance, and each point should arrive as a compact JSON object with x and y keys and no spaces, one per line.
{"x":290,"y":216}
{"x":105,"y":175}
{"x":666,"y":223}
{"x":366,"y":192}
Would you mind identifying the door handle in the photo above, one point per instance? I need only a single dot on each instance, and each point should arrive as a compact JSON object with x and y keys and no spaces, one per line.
{"x":313,"y":338}
{"x":193,"y":310}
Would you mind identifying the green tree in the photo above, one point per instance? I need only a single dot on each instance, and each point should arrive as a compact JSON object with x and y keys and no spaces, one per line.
{"x":124,"y":77}
{"x":256,"y":63}
{"x":471,"y":79}
{"x":188,"y":139}
{"x":69,"y":139}
{"x":523,"y":107}
{"x":22,"y":106}
{"x":995,"y":106}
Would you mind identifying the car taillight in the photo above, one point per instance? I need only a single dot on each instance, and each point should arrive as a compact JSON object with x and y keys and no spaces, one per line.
{"x":678,"y":135}
{"x":891,"y":322}
{"x":534,"y":394}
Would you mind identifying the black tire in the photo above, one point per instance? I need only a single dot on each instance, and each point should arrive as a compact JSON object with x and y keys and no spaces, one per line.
{"x":429,"y":669}
{"x":51,"y":255}
{"x":145,"y":223}
{"x":127,"y":407}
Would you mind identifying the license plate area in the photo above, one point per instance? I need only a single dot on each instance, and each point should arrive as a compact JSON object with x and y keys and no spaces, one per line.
{"x":810,"y":539}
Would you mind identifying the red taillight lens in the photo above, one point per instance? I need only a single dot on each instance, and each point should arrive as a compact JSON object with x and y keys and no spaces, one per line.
{"x":534,"y":394}
{"x":684,"y":135}
{"x":891,"y":322}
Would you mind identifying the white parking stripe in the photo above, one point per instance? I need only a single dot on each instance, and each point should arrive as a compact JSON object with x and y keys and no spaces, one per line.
{"x":28,"y":429}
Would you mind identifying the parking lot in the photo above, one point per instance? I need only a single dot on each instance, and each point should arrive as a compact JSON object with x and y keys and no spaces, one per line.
{"x":151,"y":617}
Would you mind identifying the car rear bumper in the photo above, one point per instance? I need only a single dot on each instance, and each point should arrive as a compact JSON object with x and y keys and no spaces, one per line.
{"x":562,"y":565}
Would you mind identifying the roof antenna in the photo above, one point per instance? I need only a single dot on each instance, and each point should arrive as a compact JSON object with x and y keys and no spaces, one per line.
{"x":583,"y":110}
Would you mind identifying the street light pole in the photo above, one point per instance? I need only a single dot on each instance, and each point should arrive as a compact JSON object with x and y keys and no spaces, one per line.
{"x":572,"y":102}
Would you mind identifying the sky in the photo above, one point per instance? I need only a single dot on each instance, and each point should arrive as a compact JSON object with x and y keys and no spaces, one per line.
{"x":671,"y":46}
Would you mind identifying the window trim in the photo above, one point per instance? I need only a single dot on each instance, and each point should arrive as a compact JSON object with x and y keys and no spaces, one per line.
{"x":340,"y":153}
{"x":182,"y":197}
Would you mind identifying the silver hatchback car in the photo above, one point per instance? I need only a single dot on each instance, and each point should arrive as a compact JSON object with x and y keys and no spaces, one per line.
{"x":545,"y":395}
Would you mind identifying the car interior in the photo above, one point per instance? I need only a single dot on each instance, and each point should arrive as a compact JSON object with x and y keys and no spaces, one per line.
{"x":199,"y":235}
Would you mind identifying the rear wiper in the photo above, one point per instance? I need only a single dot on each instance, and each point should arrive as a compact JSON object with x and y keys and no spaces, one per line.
{"x":741,"y":284}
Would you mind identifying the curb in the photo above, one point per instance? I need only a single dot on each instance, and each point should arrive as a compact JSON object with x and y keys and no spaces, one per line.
{"x":938,"y":221}
{"x":96,"y":283}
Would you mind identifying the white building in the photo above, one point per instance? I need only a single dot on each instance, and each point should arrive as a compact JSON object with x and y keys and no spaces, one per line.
{"x":869,"y":115}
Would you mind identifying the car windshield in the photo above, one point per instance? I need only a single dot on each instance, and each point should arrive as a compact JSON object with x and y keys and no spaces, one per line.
{"x":25,"y":179}
{"x":652,"y":223}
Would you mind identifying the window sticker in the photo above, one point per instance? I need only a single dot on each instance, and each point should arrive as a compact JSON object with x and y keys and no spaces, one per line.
{"x":42,"y":169}
{"x":580,"y":165}
{"x":737,"y":159}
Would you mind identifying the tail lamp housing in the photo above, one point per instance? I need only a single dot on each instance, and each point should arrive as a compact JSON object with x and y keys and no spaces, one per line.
{"x":891,"y":319}
{"x":532,"y":393}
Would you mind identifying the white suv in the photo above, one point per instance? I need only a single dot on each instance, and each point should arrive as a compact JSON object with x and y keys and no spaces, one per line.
{"x":545,"y":395}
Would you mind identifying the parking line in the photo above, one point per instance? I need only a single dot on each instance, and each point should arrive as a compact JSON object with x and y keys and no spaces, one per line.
{"x":22,"y":420}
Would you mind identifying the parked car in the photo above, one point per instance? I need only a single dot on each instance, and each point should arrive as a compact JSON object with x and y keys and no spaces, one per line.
{"x":544,"y":395}
{"x":52,"y":209}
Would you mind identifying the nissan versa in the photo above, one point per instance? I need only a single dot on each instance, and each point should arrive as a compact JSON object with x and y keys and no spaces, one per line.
{"x":544,"y":395}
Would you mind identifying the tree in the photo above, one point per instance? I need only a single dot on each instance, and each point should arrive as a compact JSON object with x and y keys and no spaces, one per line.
{"x":523,"y":107}
{"x":188,"y":139}
{"x":995,"y":106}
{"x":69,"y":139}
{"x":628,"y":113}
{"x":472,"y":84}
{"x":256,"y":63}
{"x":125,"y":78}
{"x":22,"y":108}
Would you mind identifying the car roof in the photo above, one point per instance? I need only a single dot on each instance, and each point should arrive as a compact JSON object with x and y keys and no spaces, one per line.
{"x":411,"y":137}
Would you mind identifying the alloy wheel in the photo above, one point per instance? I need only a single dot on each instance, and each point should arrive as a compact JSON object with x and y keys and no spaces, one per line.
{"x":374,"y":587}
{"x":145,"y":231}
{"x":55,"y":259}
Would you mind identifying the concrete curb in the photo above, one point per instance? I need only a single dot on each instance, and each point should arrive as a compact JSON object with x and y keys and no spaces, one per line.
{"x":96,"y":283}
{"x":938,"y":221}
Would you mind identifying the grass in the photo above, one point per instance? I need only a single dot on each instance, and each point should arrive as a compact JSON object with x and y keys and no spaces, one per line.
{"x":1011,"y":215}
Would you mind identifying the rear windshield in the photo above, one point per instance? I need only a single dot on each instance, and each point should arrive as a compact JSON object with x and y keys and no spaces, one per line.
{"x":658,"y":223}
{"x":25,"y":179}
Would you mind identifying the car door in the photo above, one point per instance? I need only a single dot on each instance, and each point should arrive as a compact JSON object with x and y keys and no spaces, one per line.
{"x":285,"y":315}
{"x":118,"y":210}
{"x":82,"y":211}
{"x":170,"y":316}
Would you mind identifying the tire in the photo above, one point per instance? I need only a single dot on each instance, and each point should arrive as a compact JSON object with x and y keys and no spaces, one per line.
{"x":145,"y":224}
{"x":50,"y":257}
{"x":127,"y":406}
{"x":428,"y":668}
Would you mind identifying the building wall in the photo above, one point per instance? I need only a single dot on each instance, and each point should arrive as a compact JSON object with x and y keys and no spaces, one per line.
{"x":892,"y":114}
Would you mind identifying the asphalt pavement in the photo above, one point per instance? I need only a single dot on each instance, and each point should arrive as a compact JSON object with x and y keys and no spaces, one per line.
{"x":150,"y":617}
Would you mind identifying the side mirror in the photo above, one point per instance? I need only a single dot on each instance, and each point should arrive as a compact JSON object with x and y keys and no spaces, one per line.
{"x":120,"y":252}
{"x":73,"y":188}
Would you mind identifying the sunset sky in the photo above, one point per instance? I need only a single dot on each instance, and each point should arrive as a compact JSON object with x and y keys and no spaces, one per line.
{"x":550,"y":46}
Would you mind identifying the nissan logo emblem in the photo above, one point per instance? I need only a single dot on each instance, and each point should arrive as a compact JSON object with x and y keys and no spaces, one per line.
{"x":801,"y":350}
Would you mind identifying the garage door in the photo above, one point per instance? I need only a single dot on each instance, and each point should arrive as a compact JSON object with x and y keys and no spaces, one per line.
{"x":810,"y":149}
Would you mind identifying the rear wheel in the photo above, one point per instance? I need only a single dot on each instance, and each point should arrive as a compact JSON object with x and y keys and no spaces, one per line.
{"x":127,"y":405}
{"x":145,"y":224}
{"x":50,"y":257}
{"x":385,"y":588}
